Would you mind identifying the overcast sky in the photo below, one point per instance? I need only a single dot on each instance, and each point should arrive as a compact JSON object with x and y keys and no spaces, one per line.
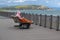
{"x":50,"y":3}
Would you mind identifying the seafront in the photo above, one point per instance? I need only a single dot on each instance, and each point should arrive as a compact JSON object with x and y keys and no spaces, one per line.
{"x":36,"y":32}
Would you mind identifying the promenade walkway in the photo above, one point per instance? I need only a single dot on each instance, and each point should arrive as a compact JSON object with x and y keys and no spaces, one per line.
{"x":9,"y":32}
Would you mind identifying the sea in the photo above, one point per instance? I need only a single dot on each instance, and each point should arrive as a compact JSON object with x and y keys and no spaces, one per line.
{"x":55,"y":12}
{"x":43,"y":12}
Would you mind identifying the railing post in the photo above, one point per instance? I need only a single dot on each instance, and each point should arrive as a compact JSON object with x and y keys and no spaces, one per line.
{"x":22,"y":13}
{"x":29,"y":16}
{"x":32,"y":17}
{"x":36,"y":19}
{"x":51,"y":21}
{"x":45,"y":20}
{"x":40,"y":19}
{"x":25,"y":15}
{"x":57,"y":29}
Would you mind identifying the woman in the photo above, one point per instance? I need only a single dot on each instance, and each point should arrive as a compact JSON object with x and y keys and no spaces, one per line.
{"x":22,"y":19}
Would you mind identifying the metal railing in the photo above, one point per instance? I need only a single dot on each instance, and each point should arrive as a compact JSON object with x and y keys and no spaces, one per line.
{"x":51,"y":22}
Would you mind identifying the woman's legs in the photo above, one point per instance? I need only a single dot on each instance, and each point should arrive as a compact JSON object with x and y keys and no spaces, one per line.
{"x":26,"y":20}
{"x":28,"y":26}
{"x":20,"y":24}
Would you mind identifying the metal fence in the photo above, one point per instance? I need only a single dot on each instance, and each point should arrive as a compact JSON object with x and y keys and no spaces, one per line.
{"x":51,"y":22}
{"x":6,"y":14}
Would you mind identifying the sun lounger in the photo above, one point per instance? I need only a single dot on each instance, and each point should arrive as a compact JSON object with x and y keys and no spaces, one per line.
{"x":21,"y":24}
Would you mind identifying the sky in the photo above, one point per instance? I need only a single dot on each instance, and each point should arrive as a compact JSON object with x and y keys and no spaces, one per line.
{"x":49,"y":3}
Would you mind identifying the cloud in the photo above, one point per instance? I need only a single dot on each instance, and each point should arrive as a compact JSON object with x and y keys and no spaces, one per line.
{"x":19,"y":1}
{"x":47,"y":1}
{"x":9,"y":1}
{"x":14,"y":1}
{"x":23,"y":0}
{"x":58,"y":3}
{"x":30,"y":0}
{"x":2,"y":3}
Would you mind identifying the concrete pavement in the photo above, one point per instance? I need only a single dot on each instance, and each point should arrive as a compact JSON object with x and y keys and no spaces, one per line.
{"x":9,"y":32}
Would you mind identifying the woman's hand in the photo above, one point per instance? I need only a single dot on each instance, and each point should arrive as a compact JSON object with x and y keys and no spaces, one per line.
{"x":22,"y":17}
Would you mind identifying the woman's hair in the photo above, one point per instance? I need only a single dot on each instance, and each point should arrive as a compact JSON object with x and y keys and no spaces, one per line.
{"x":18,"y":14}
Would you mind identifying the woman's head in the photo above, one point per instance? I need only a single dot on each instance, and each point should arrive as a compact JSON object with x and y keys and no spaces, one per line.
{"x":18,"y":12}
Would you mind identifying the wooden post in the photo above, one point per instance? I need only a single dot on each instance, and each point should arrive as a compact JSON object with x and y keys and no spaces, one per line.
{"x":45,"y":20}
{"x":40,"y":19}
{"x":51,"y":22}
{"x":57,"y":29}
